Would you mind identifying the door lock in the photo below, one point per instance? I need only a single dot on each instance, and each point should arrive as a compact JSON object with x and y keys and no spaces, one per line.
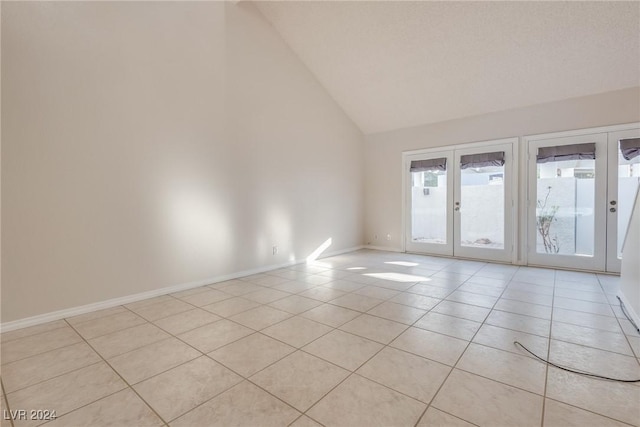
{"x":612,"y":203}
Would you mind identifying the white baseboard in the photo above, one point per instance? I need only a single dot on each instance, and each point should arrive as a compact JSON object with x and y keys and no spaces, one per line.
{"x":383,"y":248}
{"x":629,"y":308}
{"x":101,"y":305}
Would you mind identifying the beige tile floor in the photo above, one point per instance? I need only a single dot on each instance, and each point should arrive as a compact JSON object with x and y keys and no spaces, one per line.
{"x":362,"y":339}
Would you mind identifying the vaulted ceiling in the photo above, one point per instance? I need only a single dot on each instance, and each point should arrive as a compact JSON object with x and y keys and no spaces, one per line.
{"x":395,"y":64}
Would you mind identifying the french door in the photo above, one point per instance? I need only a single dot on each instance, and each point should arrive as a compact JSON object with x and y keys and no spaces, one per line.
{"x":430,"y":198}
{"x":567,"y":202}
{"x":581,"y":192}
{"x":460,"y":201}
{"x":623,"y":183}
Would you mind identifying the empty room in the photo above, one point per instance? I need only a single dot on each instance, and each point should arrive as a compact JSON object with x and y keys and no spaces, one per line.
{"x":320,"y":213}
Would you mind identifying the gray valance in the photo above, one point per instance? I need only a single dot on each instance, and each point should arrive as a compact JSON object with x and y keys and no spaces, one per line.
{"x":630,"y":148}
{"x":429,"y":165}
{"x":480,"y":160}
{"x":567,"y":152}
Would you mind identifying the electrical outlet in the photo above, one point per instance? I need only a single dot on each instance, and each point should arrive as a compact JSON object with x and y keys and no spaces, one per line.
{"x":275,"y":250}
{"x":388,"y":236}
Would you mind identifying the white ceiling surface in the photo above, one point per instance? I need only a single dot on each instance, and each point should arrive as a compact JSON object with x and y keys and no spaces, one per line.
{"x":397,"y":64}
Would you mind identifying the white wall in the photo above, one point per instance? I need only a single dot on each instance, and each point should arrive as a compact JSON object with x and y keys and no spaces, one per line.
{"x":146,"y":145}
{"x":301,"y":156}
{"x":630,"y":272}
{"x":383,"y":151}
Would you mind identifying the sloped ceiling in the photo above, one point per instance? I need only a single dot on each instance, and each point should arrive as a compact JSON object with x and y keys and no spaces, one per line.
{"x":395,"y":64}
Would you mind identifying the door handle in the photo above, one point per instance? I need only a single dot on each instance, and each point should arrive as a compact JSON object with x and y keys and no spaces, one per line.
{"x":612,"y":203}
{"x":612,"y":210}
{"x":457,"y":208}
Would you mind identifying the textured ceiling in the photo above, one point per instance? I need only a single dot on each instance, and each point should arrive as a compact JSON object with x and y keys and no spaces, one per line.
{"x":394,"y":64}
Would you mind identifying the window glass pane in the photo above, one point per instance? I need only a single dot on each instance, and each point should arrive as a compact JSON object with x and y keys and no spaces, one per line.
{"x":628,"y":179}
{"x":482,"y":207}
{"x":429,"y":207}
{"x":565,"y":207}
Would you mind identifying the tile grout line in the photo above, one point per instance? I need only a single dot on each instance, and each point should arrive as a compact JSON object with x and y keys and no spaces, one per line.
{"x":35,"y":333}
{"x":546,"y":371}
{"x":218,"y":348}
{"x":623,"y":332}
{"x":40,"y":354}
{"x":590,"y":411}
{"x":591,"y":347}
{"x":545,"y":397}
{"x":453,"y":367}
{"x":331,"y":330}
{"x":384,"y":346}
{"x":263,"y":304}
{"x":56,"y":376}
{"x":85,"y":405}
{"x":65,"y":320}
{"x":225,"y":345}
{"x":566,"y":323}
{"x":313,"y":355}
{"x":231,"y":388}
{"x":374,"y":355}
{"x":496,"y":380}
{"x":448,"y":413}
{"x":6,"y":402}
{"x":202,"y":354}
{"x":110,"y":332}
{"x":127,"y":309}
{"x":506,"y":287}
{"x":123,"y":379}
{"x":244,"y":378}
{"x":351,"y":373}
{"x":43,"y":352}
{"x":152,"y":322}
{"x":354,"y":372}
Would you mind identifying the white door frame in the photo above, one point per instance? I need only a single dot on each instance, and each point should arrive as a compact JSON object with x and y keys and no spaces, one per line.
{"x":522,"y":215}
{"x":507,"y":253}
{"x":613,"y":263}
{"x":597,"y":261}
{"x":524,"y":187}
{"x":511,"y":215}
{"x":430,"y":248}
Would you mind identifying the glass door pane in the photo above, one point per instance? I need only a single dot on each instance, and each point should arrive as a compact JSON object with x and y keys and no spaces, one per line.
{"x":429,"y":207}
{"x":624,"y":179}
{"x":429,"y":203}
{"x":483,"y":202}
{"x":567,"y":202}
{"x":628,"y":181}
{"x":482,"y":207}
